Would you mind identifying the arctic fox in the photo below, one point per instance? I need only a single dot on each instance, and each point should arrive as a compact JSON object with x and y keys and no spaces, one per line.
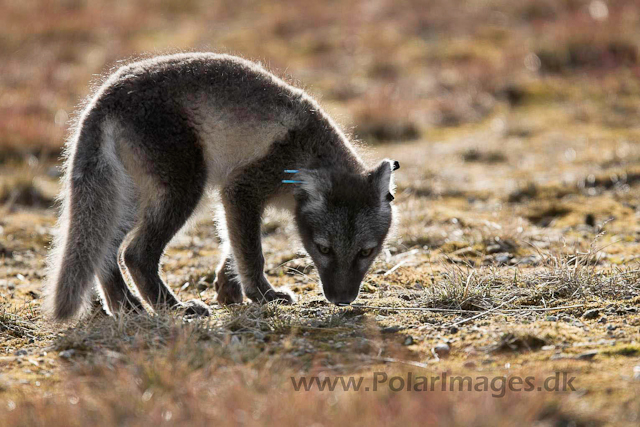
{"x":161,"y":132}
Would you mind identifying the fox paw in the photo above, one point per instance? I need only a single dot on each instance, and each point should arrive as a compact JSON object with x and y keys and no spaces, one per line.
{"x":229,"y":291}
{"x":195,"y":307}
{"x":279,"y":296}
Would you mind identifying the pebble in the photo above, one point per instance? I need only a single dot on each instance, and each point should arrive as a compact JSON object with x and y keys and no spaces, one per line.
{"x":552,"y":318}
{"x":503,"y":258}
{"x":21,"y":352}
{"x":591,"y":314}
{"x":67,"y":354}
{"x":588,"y":355}
{"x":442,"y":350}
{"x":408,"y":340}
{"x":493,"y":249}
{"x":453,"y":330}
{"x":529,"y":260}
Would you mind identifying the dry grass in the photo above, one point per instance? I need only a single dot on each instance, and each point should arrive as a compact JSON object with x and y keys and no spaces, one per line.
{"x":461,"y":288}
{"x":187,"y":382}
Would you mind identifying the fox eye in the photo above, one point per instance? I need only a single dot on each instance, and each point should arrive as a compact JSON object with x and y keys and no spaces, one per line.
{"x":324,"y":250}
{"x":366,"y":252}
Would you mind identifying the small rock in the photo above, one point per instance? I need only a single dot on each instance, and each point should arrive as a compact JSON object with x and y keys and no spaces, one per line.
{"x":493,"y":249}
{"x":470,"y":364}
{"x":67,"y":354}
{"x":408,"y":340}
{"x":441,"y":350}
{"x":466,"y":252}
{"x":391,"y":330}
{"x":591,"y":314}
{"x":590,"y":220}
{"x":4,"y":252}
{"x":552,"y":318}
{"x":602,"y":320}
{"x":611,"y":328}
{"x":588,"y":355}
{"x":21,"y":352}
{"x":453,"y":330}
{"x":529,"y":260}
{"x":558,"y":356}
{"x":503,"y":258}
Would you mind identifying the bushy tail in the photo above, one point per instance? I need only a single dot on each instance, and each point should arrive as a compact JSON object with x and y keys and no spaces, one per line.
{"x":90,"y":208}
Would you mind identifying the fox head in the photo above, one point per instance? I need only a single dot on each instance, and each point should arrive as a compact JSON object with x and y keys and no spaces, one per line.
{"x":343,"y":219}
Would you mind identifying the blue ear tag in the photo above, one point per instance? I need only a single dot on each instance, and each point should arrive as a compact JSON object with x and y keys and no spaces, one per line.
{"x":291,"y":181}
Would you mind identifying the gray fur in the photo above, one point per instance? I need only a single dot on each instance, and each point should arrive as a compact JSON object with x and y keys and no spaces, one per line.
{"x":160,"y":133}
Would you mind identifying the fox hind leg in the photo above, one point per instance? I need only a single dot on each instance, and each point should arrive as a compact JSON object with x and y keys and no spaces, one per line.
{"x":160,"y":220}
{"x":117,"y":295}
{"x":171,"y":176}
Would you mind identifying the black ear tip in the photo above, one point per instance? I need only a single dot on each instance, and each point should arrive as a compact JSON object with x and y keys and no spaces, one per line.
{"x":390,"y":197}
{"x":396,"y":165}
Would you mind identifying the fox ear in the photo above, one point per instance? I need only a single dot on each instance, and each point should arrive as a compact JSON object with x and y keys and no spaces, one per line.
{"x":383,"y":179}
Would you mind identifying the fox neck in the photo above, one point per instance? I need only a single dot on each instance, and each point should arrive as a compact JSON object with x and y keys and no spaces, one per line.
{"x":326,"y":146}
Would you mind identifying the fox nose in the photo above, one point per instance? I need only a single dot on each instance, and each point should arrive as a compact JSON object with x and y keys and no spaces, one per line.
{"x":340,"y":300}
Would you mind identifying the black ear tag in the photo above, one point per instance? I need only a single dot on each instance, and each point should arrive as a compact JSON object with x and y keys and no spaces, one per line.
{"x":390,"y":197}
